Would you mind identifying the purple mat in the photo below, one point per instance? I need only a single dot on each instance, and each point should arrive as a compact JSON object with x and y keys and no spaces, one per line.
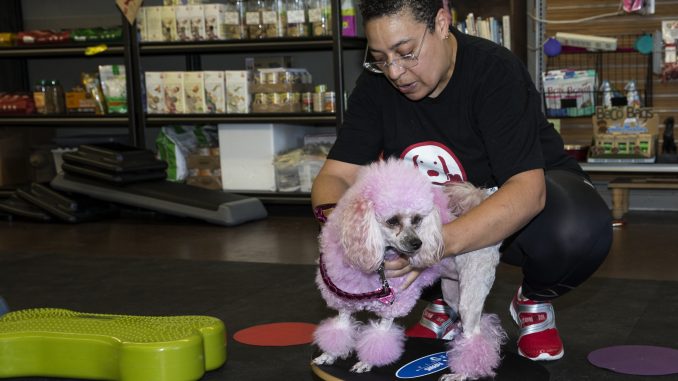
{"x":640,"y":360}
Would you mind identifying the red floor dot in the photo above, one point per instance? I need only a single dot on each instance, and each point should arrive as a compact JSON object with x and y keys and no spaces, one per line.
{"x":276,"y":334}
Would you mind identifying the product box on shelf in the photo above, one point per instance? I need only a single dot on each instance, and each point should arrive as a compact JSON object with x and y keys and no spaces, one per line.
{"x":183,"y":18}
{"x":215,"y":92}
{"x":624,"y":134}
{"x":248,"y":152}
{"x":238,"y":96}
{"x":204,"y":171}
{"x":169,"y":23}
{"x":194,"y":88}
{"x":78,"y":102}
{"x":196,"y":14}
{"x":173,"y":88}
{"x":155,"y":94}
{"x":141,"y":24}
{"x":215,"y":21}
{"x":114,"y":87}
{"x":153,"y":21}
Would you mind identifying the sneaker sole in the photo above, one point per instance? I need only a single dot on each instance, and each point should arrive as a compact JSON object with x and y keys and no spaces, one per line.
{"x":542,"y":356}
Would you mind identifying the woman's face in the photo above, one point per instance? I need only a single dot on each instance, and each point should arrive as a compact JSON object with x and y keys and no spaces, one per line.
{"x":391,"y":37}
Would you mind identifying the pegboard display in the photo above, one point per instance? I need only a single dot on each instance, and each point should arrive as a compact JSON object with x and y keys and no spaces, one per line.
{"x":618,"y":68}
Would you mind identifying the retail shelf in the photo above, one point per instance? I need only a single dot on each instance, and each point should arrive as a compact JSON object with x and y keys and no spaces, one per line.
{"x":245,"y":46}
{"x":65,"y":121}
{"x":58,"y":50}
{"x":664,"y":168}
{"x":324,"y":119}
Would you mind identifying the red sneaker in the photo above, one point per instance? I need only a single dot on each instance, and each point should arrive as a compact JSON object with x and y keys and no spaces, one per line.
{"x":438,"y":321}
{"x":539,"y":338}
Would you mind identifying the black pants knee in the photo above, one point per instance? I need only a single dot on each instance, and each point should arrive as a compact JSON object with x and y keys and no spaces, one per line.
{"x":565,"y":243}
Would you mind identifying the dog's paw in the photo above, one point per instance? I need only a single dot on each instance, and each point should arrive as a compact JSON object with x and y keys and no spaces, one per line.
{"x":453,"y":377}
{"x":324,"y":359}
{"x":361,"y":367}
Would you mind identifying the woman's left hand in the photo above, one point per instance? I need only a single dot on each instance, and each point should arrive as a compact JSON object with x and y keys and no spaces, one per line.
{"x":399,"y":267}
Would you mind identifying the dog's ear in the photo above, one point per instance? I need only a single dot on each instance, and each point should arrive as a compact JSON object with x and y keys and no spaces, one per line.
{"x":361,"y":235}
{"x":430,"y":233}
{"x":463,"y":197}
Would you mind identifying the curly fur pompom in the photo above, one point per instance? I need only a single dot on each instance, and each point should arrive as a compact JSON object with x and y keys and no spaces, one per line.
{"x":336,"y":336}
{"x":380,"y":345}
{"x":477,"y":356}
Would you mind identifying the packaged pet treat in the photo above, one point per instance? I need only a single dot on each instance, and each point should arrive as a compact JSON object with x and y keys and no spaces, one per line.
{"x":114,"y":86}
{"x":215,"y":19}
{"x":169,"y":24}
{"x":154,"y":30}
{"x":234,"y":20}
{"x":92,"y":85}
{"x":155,"y":96}
{"x":173,"y":87}
{"x":238,"y":91}
{"x":215,"y":94}
{"x":183,"y":23}
{"x":196,"y":14}
{"x":141,"y":24}
{"x":194,"y":88}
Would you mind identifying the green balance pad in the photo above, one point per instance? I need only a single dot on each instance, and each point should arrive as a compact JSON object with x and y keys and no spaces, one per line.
{"x":62,"y":343}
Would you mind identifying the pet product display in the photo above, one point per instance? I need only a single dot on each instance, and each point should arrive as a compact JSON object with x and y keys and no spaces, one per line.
{"x":114,"y":86}
{"x":570,"y":92}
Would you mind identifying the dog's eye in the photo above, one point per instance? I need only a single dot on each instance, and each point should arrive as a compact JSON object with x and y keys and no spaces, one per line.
{"x":416,"y":220}
{"x":393,"y":221}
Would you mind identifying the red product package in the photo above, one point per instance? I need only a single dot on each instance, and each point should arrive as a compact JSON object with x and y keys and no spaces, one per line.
{"x":33,"y":37}
{"x":16,"y":104}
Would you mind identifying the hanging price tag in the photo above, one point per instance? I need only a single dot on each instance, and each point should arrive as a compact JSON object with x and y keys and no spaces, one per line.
{"x":129,"y":8}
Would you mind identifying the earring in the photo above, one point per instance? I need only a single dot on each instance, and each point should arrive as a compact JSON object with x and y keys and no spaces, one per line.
{"x":447,"y":35}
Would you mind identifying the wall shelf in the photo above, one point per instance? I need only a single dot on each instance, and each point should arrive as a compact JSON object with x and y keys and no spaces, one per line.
{"x":58,"y":51}
{"x":246,"y":46}
{"x":88,"y":121}
{"x":325,"y":119}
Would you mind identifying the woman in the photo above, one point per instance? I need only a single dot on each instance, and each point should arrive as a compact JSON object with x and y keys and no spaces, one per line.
{"x":463,"y":108}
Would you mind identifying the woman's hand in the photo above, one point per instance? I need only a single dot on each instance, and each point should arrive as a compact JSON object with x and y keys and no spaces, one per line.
{"x":399,"y":267}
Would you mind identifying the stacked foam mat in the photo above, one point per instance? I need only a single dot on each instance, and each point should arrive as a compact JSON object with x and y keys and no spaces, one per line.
{"x":120,"y":174}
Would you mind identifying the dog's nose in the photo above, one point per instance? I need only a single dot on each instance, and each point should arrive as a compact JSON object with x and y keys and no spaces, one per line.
{"x":415,"y":243}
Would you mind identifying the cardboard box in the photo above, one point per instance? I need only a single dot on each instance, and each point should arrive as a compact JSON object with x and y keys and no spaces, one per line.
{"x":153,"y":22}
{"x":248,"y":152}
{"x":215,"y":92}
{"x":194,"y":88}
{"x":215,"y":21}
{"x":624,"y":133}
{"x":14,"y":164}
{"x":173,"y":89}
{"x":207,"y":182}
{"x":238,"y":96}
{"x":169,"y":23}
{"x":78,"y":102}
{"x":155,"y":94}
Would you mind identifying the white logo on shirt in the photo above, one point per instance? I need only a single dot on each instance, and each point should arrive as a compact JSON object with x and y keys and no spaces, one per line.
{"x":436,"y":161}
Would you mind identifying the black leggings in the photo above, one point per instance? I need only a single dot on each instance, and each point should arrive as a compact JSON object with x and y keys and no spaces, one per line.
{"x":564,"y":244}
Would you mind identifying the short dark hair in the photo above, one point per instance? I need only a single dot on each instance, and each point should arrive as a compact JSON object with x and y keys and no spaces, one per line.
{"x":423,"y":11}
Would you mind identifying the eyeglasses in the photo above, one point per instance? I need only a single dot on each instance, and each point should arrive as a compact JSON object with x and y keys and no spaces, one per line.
{"x":407,"y":61}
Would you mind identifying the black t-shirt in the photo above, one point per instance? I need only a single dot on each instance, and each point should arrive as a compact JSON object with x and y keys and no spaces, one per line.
{"x":484,"y":127}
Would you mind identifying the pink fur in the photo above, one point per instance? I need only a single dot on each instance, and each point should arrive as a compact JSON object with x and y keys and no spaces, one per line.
{"x":336,"y":337}
{"x":477,"y":356}
{"x":380,"y":346}
{"x":355,"y":241}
